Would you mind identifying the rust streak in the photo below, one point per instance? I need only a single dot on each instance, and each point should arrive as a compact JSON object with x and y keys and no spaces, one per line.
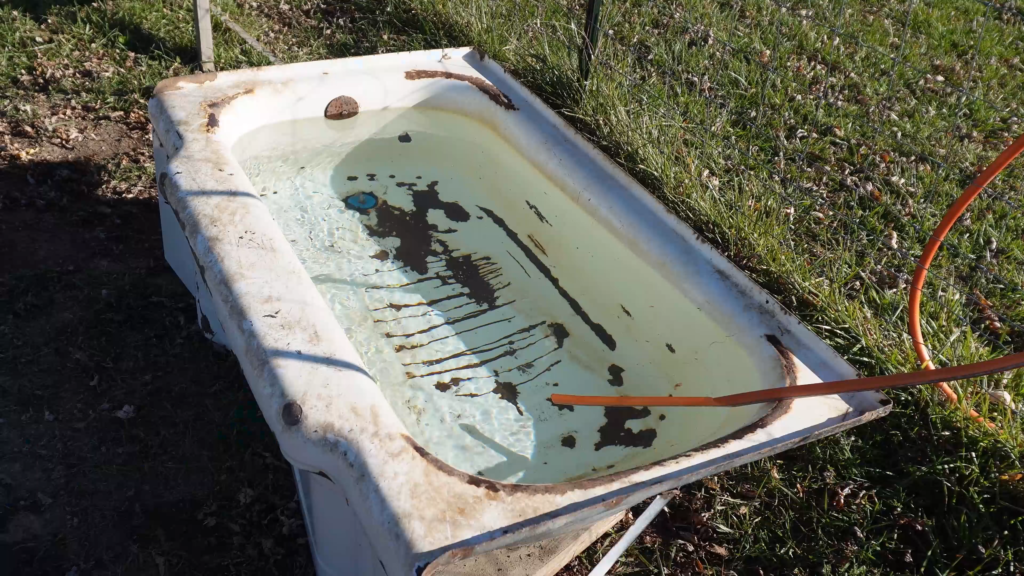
{"x":598,"y":330}
{"x":510,"y":352}
{"x":537,"y":244}
{"x":214,"y":107}
{"x":458,"y":320}
{"x":175,"y":84}
{"x":539,"y":374}
{"x":533,"y":361}
{"x":490,"y":90}
{"x":537,"y":213}
{"x":788,"y":363}
{"x":437,"y":277}
{"x":385,"y":321}
{"x":508,"y":339}
{"x":471,"y":351}
{"x":449,"y":384}
{"x":401,"y":347}
{"x":520,"y":264}
{"x":397,"y":307}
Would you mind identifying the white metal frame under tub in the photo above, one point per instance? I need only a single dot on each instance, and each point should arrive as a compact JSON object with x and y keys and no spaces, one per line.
{"x":396,"y":508}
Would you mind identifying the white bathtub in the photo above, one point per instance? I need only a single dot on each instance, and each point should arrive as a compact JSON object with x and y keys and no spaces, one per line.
{"x":409,"y":253}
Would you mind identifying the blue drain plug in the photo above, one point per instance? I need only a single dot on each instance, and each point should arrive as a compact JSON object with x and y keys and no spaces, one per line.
{"x":361,"y":202}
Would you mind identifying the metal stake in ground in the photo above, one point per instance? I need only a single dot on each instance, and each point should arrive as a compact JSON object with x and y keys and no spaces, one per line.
{"x":591,"y":37}
{"x":204,"y":34}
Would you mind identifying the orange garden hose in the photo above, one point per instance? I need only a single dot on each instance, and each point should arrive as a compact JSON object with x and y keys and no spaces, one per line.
{"x":929,"y":374}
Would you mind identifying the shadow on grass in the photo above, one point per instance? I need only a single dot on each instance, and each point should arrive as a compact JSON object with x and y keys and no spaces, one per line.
{"x":37,"y":9}
{"x":141,"y":41}
{"x":131,"y":445}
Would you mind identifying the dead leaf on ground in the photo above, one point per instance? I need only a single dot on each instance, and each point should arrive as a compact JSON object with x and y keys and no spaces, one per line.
{"x":718,"y":550}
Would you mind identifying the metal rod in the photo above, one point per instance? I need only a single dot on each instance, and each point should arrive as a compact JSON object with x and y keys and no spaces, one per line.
{"x":634,"y":531}
{"x":204,"y":34}
{"x":591,"y":37}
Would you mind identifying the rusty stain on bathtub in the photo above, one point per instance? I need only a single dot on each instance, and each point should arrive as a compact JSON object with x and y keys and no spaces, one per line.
{"x":214,"y":107}
{"x":789,"y":368}
{"x":518,"y":262}
{"x":451,"y":322}
{"x":509,"y":351}
{"x":536,"y":243}
{"x":173,"y":84}
{"x":412,"y":228}
{"x":402,"y":347}
{"x":449,"y":384}
{"x":508,"y":392}
{"x":615,"y":375}
{"x":507,"y":340}
{"x":559,"y":331}
{"x":614,"y":431}
{"x":490,"y":90}
{"x":561,"y":407}
{"x":598,"y":330}
{"x":421,"y":250}
{"x":537,"y":212}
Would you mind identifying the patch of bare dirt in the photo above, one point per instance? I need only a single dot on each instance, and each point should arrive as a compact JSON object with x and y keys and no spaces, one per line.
{"x":65,"y":200}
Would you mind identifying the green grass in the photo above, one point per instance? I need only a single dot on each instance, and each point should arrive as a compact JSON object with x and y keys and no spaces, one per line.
{"x":792,"y":141}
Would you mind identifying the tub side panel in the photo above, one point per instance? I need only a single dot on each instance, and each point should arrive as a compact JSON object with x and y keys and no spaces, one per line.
{"x":337,"y":539}
{"x":179,"y":256}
